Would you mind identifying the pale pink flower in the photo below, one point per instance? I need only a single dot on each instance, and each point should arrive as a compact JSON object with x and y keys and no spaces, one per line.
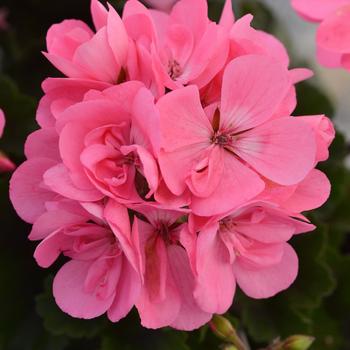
{"x":99,"y":277}
{"x":224,"y":157}
{"x":177,"y":49}
{"x":247,"y":246}
{"x":5,"y":163}
{"x":333,"y":33}
{"x":106,"y":142}
{"x":78,"y":52}
{"x":168,"y":282}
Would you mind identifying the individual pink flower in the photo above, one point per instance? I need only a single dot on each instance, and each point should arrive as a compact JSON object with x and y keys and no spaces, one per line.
{"x":99,"y":277}
{"x":176,"y":49}
{"x":106,"y":142}
{"x":5,"y":163}
{"x":333,"y":33}
{"x":247,"y":246}
{"x":168,"y":282}
{"x":225,"y":157}
{"x":78,"y":52}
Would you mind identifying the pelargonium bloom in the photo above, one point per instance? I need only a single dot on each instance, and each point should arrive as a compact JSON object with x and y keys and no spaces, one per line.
{"x":99,"y":277}
{"x":167,"y":293}
{"x":105,"y":145}
{"x":225,"y":156}
{"x":78,"y":52}
{"x":176,"y":48}
{"x":247,"y":245}
{"x":167,"y":170}
{"x":333,"y":33}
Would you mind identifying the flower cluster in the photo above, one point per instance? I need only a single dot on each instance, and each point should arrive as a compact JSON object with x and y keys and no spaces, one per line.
{"x":333,"y":33}
{"x":167,"y":167}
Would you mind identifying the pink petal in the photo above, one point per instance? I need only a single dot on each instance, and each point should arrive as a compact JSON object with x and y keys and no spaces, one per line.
{"x":27,"y":191}
{"x":53,"y":220}
{"x":99,"y":14}
{"x":205,"y":63}
{"x":64,"y":38}
{"x":96,"y":58}
{"x":67,"y":67}
{"x":183,"y":121}
{"x":127,"y":292}
{"x":70,"y":295}
{"x":215,"y":282}
{"x":246,"y":101}
{"x":317,"y":10}
{"x":190,"y":316}
{"x":160,"y":302}
{"x":328,"y":58}
{"x":333,"y":34}
{"x":117,"y":36}
{"x":185,"y":159}
{"x":266,"y":282}
{"x":34,"y":145}
{"x":325,"y":134}
{"x":265,"y":224}
{"x":227,"y":16}
{"x":238,"y":185}
{"x":2,"y":122}
{"x":146,"y":121}
{"x":310,"y":193}
{"x":245,"y":40}
{"x":58,"y":180}
{"x":196,"y":24}
{"x":50,"y":248}
{"x":283,"y":150}
{"x":207,"y":174}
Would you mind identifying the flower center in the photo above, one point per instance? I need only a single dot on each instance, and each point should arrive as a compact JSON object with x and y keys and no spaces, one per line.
{"x":174,"y":69}
{"x":221,"y":139}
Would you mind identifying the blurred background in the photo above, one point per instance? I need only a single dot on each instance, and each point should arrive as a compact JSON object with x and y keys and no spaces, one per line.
{"x":317,"y":304}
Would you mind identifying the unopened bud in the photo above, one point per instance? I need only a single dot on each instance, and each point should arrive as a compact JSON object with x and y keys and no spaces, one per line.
{"x":229,"y":347}
{"x":298,"y":342}
{"x":222,"y":327}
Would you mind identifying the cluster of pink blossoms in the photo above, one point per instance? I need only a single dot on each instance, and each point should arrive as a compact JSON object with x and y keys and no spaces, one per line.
{"x":333,"y":34}
{"x":167,"y":167}
{"x":5,"y":163}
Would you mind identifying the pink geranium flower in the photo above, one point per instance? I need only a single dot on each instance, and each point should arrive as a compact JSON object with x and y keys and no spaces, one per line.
{"x":247,"y":246}
{"x":333,"y":34}
{"x":224,"y":157}
{"x":167,"y":292}
{"x":78,"y":52}
{"x":105,"y":144}
{"x":176,"y":49}
{"x":99,"y":277}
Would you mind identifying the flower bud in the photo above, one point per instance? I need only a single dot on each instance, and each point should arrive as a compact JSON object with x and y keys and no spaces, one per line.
{"x":222,"y":327}
{"x":298,"y":342}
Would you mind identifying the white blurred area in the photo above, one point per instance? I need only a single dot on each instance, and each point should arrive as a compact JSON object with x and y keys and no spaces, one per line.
{"x":335,"y":82}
